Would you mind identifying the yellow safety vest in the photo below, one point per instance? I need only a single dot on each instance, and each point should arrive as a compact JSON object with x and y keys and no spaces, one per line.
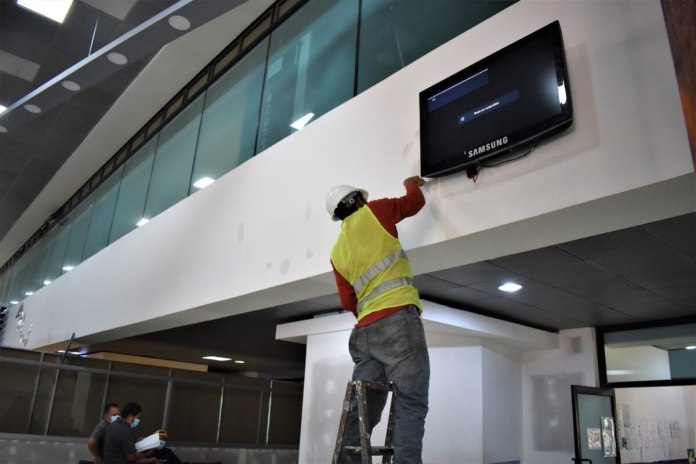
{"x":372,"y":260}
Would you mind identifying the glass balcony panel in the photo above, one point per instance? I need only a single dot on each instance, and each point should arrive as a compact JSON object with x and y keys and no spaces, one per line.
{"x":171,"y":173}
{"x":130,"y":204}
{"x":311,"y":68}
{"x":230,"y":118}
{"x":395,"y":33}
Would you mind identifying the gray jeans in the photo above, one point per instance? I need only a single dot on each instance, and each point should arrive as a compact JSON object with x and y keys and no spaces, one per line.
{"x":393,"y":350}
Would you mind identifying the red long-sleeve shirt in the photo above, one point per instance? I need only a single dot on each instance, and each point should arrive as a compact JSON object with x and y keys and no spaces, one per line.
{"x":389,"y":212}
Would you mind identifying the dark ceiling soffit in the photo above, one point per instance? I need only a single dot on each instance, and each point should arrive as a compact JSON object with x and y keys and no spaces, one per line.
{"x":135,"y":44}
{"x":252,"y":35}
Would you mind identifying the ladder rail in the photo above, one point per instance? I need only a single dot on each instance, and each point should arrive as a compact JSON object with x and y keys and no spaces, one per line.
{"x":350,"y":389}
{"x":363,"y":416}
{"x":358,"y":389}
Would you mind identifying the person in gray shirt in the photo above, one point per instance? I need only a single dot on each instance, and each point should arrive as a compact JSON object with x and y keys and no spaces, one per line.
{"x":95,"y":442}
{"x":119,"y":443}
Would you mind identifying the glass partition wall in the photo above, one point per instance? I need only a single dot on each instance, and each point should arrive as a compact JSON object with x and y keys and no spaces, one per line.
{"x":662,"y":353}
{"x":44,"y":396}
{"x":273,"y":80}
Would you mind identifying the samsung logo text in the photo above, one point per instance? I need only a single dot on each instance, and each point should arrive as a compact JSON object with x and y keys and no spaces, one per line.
{"x":487,"y":147}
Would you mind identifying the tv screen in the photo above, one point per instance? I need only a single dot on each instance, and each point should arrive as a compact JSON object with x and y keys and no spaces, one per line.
{"x":508,"y":101}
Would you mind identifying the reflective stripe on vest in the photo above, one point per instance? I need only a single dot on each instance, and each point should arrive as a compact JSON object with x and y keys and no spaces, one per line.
{"x":384,"y":287}
{"x":380,"y":266}
{"x":372,"y":260}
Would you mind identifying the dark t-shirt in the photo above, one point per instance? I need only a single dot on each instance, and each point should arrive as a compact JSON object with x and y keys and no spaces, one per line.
{"x":119,"y":442}
{"x":167,"y":455}
{"x":99,"y":433}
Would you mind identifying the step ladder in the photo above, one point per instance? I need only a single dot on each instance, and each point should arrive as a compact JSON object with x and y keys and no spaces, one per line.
{"x":365,"y":450}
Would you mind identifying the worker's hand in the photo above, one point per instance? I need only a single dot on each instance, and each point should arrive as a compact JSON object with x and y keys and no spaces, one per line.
{"x":416,"y":180}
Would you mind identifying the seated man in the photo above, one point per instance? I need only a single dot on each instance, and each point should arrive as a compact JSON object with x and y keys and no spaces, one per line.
{"x":163,"y":453}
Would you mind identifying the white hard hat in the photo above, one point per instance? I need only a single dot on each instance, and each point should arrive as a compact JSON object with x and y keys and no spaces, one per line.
{"x":338,"y":193}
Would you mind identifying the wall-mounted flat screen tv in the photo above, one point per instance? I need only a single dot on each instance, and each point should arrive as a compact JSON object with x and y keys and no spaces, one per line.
{"x":506,"y":102}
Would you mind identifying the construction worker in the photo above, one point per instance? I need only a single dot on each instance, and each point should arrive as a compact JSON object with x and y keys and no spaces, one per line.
{"x":375,"y":282}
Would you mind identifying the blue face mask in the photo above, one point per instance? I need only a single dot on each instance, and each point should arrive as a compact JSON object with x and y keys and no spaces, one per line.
{"x":135,"y":423}
{"x":114,"y":418}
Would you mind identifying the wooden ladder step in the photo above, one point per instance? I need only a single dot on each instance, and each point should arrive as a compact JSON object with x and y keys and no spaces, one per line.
{"x":374,"y":450}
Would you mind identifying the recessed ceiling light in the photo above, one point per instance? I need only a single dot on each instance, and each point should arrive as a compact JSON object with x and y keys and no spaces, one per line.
{"x":300,"y":123}
{"x":32,"y":108}
{"x":239,"y":361}
{"x":70,"y":85}
{"x":47,"y":282}
{"x":56,"y":10}
{"x":142,"y":222}
{"x":28,"y":293}
{"x":217,"y":358}
{"x":69,"y":352}
{"x":179,"y":23}
{"x":68,"y":268}
{"x":691,"y":347}
{"x":117,"y":58}
{"x":14,"y":302}
{"x":203,"y":182}
{"x":2,"y":108}
{"x":509,"y":287}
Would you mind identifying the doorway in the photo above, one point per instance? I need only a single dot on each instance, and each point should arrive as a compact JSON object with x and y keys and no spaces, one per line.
{"x":594,"y":428}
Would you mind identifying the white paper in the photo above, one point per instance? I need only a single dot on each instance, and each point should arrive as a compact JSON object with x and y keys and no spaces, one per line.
{"x":148,"y":443}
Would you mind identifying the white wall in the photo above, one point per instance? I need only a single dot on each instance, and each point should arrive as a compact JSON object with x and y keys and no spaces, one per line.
{"x":454,"y":422}
{"x":328,"y":368}
{"x":453,"y":428}
{"x":230,"y":249}
{"x":547,"y":430}
{"x":655,"y":408}
{"x":502,"y":405}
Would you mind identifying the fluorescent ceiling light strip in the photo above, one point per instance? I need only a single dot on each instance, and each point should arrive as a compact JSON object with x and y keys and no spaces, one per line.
{"x":69,"y":352}
{"x":217,"y":358}
{"x":56,"y":10}
{"x":101,"y":52}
